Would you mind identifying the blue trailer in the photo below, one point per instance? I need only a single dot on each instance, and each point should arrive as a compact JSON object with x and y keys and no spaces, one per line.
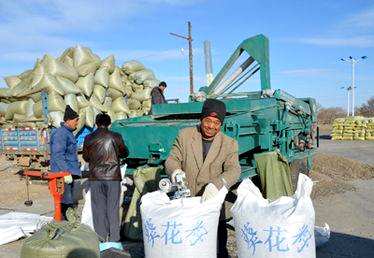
{"x":27,"y":143}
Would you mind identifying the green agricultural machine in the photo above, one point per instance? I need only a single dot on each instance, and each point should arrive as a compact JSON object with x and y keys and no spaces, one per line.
{"x":263,"y":120}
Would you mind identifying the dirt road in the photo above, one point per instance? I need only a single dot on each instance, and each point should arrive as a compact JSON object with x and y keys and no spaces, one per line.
{"x":357,"y":150}
{"x":349,"y":214}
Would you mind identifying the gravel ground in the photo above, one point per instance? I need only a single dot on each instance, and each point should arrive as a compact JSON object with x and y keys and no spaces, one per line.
{"x":343,"y":197}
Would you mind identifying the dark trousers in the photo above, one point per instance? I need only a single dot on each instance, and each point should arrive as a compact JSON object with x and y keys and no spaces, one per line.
{"x":105,"y":203}
{"x":68,"y":197}
{"x":222,"y":240}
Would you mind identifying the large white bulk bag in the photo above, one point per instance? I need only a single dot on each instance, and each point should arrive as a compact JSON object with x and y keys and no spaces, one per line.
{"x":90,"y":67}
{"x":71,"y":100}
{"x":3,"y":108}
{"x":147,"y":104}
{"x":113,"y":93}
{"x":282,"y":228}
{"x":68,"y":86}
{"x":90,"y":116}
{"x":99,"y":92}
{"x":127,"y":90}
{"x":55,"y":118}
{"x":137,"y":87}
{"x":18,"y":107}
{"x":108,"y":63}
{"x":45,"y":82}
{"x":5,"y":92}
{"x":55,"y":102}
{"x":58,"y":68}
{"x":30,"y":109}
{"x":94,"y":102}
{"x":27,"y":72}
{"x":134,"y":104}
{"x":140,"y":76}
{"x":36,"y":96}
{"x":68,"y":61}
{"x":69,"y":52}
{"x":142,"y":95}
{"x":81,"y":56}
{"x":12,"y":81}
{"x":102,"y":77}
{"x":180,"y":228}
{"x":82,"y":101}
{"x":38,"y":109}
{"x":132,"y":66}
{"x":115,"y":80}
{"x":119,"y":106}
{"x":82,"y":120}
{"x":151,"y":83}
{"x":86,"y":84}
{"x":108,"y":102}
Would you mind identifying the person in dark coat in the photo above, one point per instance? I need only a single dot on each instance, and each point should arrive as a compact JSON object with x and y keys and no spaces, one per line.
{"x":157,"y":94}
{"x":103,"y":149}
{"x":64,"y":155}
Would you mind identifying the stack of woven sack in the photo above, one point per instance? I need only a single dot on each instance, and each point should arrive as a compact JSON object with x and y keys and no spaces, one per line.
{"x":84,"y":81}
{"x":337,"y":129}
{"x":369,"y":135}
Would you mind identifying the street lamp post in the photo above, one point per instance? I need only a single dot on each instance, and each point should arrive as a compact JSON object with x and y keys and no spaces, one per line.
{"x":353,"y":62}
{"x":348,"y":89}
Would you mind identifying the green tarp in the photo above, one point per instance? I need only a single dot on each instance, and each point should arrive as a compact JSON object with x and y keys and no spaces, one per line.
{"x":275,"y":175}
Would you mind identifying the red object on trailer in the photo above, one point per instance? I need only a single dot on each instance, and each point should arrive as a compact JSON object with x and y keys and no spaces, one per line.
{"x":55,"y":185}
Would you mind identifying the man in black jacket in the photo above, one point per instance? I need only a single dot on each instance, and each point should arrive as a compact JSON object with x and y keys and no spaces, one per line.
{"x":102,"y":150}
{"x":157,"y":94}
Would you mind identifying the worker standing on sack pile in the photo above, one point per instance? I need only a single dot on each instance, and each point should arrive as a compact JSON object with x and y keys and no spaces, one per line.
{"x":157,"y":94}
{"x":64,"y":156}
{"x":102,"y":150}
{"x":208,"y":158}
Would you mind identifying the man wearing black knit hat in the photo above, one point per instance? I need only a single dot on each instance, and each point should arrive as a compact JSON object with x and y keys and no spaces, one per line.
{"x":208,"y":158}
{"x":64,"y":155}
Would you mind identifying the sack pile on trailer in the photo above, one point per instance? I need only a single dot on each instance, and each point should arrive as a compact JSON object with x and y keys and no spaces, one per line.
{"x":353,"y":128}
{"x":84,"y":81}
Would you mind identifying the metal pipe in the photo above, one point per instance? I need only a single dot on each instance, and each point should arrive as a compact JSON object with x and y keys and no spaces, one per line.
{"x":234,"y":75}
{"x":348,"y":104}
{"x":353,"y":86}
{"x":208,"y":62}
{"x":240,"y":79}
{"x":254,"y":70}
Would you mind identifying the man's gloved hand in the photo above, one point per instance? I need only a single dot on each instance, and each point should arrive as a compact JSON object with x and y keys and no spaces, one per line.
{"x":177,"y":176}
{"x":210,"y":192}
{"x":68,"y":179}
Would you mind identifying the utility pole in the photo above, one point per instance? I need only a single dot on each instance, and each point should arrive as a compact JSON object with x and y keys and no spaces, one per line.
{"x":353,"y":61}
{"x":190,"y":54}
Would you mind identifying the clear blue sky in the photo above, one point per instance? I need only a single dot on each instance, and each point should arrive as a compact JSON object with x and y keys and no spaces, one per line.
{"x":307,"y":38}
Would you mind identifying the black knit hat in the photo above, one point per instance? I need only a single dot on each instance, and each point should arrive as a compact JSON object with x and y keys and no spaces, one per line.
{"x":70,"y":114}
{"x":215,"y":108}
{"x":163,"y":84}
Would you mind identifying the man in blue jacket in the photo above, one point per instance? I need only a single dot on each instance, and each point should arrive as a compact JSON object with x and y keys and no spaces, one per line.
{"x":64,"y":155}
